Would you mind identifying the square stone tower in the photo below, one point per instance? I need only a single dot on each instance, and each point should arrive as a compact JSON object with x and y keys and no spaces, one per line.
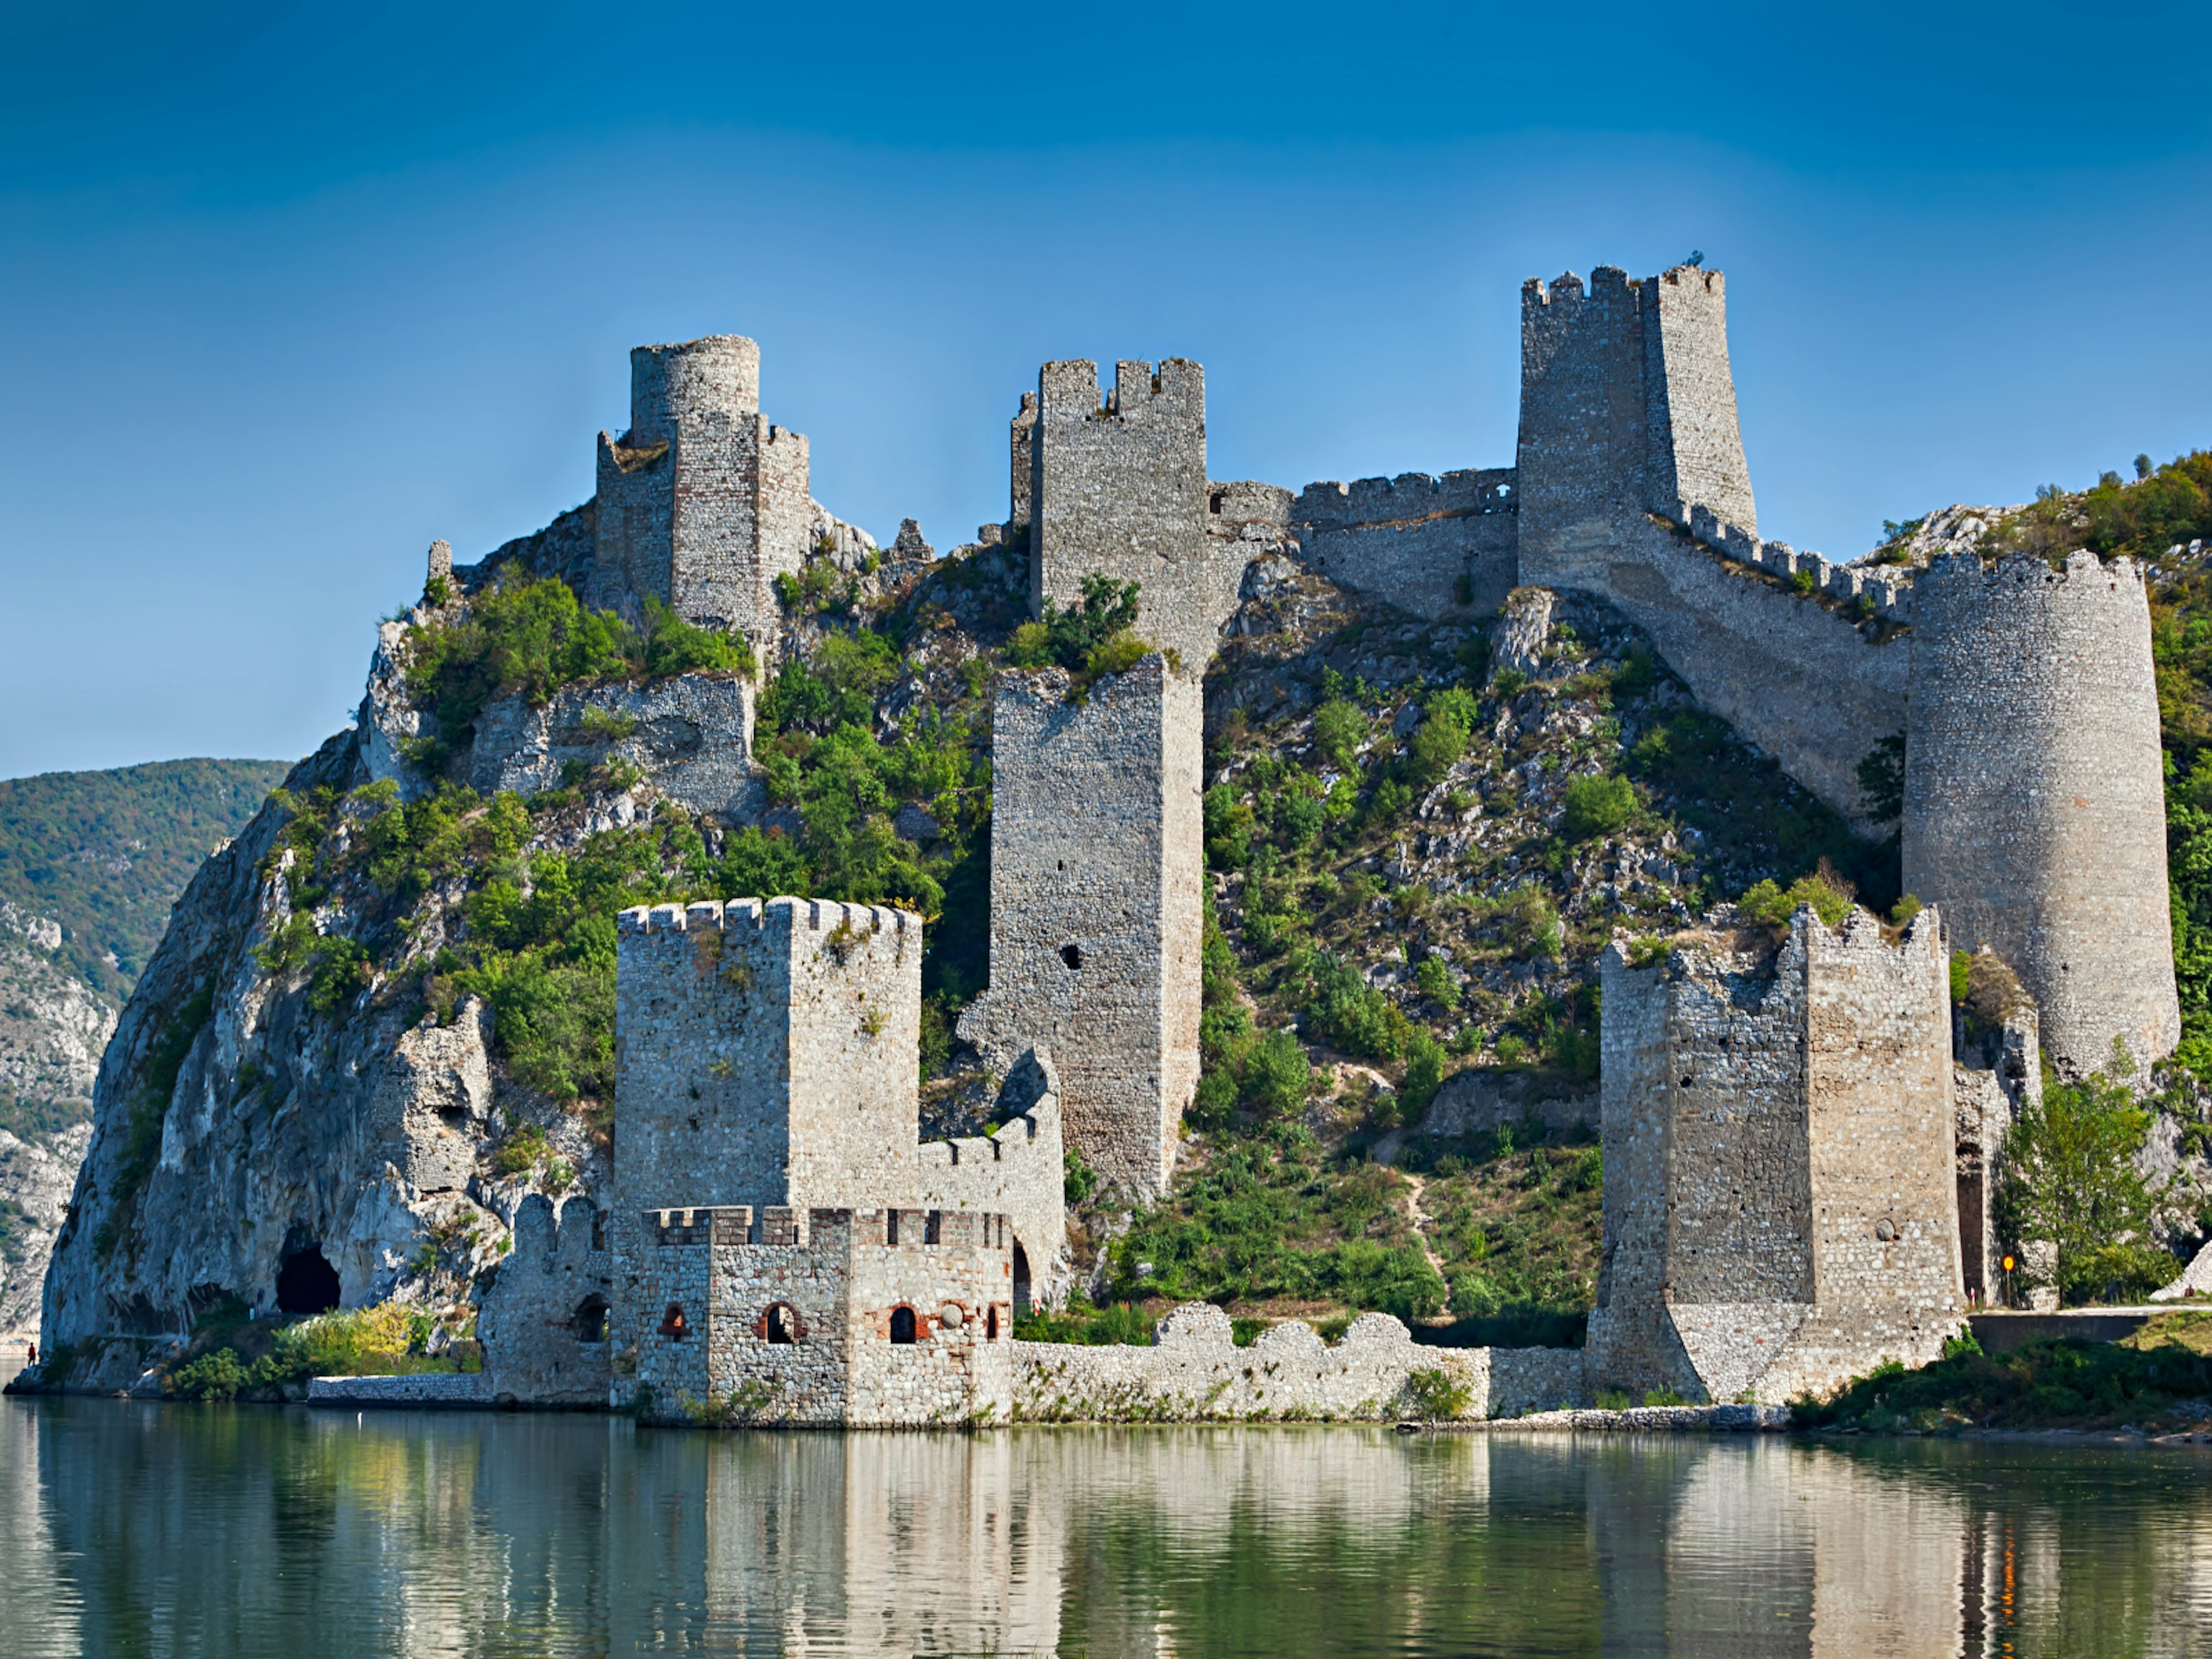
{"x":1627,"y":407}
{"x":1781,"y":1205}
{"x":1096,"y":854}
{"x":702,"y":502}
{"x":1118,"y":488}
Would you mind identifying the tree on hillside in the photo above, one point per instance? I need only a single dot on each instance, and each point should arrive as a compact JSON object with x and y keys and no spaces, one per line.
{"x":2072,"y":1183}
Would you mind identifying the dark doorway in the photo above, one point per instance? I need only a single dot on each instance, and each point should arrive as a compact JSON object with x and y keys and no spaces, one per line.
{"x":1021,"y":1279}
{"x":307,"y":1283}
{"x":902,"y":1324}
{"x":782,"y":1322}
{"x":991,"y":1323}
{"x":591,"y":1321}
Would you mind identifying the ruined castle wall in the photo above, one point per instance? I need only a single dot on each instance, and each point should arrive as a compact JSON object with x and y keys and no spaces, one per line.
{"x":1432,"y":546}
{"x":1808,"y":685}
{"x":1780,"y":1201}
{"x":1694,"y":448}
{"x":1119,"y":490}
{"x":2034,"y":811}
{"x":692,"y":733}
{"x":1630,"y":1337}
{"x":543,"y":1320}
{"x":1878,"y":1067}
{"x":1021,"y":445}
{"x":1019,"y":1171}
{"x":787,"y":518}
{"x":1739,"y":1200}
{"x":1096,"y":905}
{"x":1194,"y":1371}
{"x":634,"y":527}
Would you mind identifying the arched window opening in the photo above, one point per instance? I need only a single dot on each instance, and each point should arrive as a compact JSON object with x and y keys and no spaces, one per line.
{"x":673,"y":1324}
{"x":307,"y":1283}
{"x":591,"y":1319}
{"x":1071,"y":955}
{"x":1021,"y":1279}
{"x":991,"y":1323}
{"x":779,"y":1324}
{"x":902,"y":1325}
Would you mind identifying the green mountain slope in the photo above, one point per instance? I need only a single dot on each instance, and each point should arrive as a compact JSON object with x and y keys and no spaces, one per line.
{"x":106,"y":853}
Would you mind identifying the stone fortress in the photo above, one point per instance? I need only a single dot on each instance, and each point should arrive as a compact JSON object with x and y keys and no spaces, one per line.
{"x":1797,"y":1145}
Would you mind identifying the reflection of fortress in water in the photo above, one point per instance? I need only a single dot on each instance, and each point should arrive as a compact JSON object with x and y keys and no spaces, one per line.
{"x":465,"y":1535}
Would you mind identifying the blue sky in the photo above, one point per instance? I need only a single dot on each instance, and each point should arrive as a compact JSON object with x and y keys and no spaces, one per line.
{"x":285,"y":294}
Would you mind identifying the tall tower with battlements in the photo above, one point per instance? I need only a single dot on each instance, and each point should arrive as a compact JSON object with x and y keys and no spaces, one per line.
{"x":1118,"y":488}
{"x":1627,"y":408}
{"x":702,"y":502}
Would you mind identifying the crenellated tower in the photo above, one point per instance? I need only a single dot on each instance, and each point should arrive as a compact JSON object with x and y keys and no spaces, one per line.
{"x":702,"y":502}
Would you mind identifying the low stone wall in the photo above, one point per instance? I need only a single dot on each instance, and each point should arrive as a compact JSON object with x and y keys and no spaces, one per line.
{"x":1194,"y":1371}
{"x":476,"y":1388}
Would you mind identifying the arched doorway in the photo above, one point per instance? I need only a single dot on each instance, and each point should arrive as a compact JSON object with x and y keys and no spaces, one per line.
{"x":1021,"y":1279}
{"x":779,"y":1324}
{"x":307,"y":1283}
{"x":902,"y":1325}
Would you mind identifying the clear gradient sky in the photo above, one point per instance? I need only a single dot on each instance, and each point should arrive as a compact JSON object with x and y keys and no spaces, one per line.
{"x":288,"y":291}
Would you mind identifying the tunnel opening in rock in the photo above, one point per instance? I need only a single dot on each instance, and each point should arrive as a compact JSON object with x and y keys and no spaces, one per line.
{"x":306,"y":1284}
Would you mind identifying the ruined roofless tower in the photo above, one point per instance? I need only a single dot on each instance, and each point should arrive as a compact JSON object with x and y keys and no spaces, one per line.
{"x":702,"y":502}
{"x":2034,"y":804}
{"x":1627,"y":407}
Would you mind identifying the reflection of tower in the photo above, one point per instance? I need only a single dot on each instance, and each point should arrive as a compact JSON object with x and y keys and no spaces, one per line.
{"x":905,"y":1543}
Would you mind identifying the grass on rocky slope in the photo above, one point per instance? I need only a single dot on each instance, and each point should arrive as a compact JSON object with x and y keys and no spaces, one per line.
{"x":1416,"y":862}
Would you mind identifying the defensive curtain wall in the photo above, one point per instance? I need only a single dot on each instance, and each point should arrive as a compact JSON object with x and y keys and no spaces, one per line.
{"x":1780,"y":1204}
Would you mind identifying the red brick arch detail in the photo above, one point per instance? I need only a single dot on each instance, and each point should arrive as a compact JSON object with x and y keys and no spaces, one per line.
{"x":797,"y":1322}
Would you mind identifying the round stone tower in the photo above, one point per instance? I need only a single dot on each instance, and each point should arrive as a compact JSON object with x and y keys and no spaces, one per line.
{"x":2034,"y":805}
{"x":669,"y":384}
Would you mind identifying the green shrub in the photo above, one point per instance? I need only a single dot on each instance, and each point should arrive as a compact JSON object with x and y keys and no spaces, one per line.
{"x":1425,"y":1074}
{"x":1347,"y":1012}
{"x":1441,"y":737}
{"x":1229,"y":826}
{"x":1435,"y":982}
{"x":1275,"y":1076}
{"x":1597,"y":805}
{"x":2071,"y":1182}
{"x":1768,"y":905}
{"x":1436,"y":1395}
{"x":1340,"y":728}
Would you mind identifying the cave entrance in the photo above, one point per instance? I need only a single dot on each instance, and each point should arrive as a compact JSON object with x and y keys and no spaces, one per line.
{"x":307,"y":1283}
{"x":1021,"y":1279}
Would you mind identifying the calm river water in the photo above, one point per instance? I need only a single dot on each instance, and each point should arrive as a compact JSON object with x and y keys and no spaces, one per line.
{"x":141,"y":1529}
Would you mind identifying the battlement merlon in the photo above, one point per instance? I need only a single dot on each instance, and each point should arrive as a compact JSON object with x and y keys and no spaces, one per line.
{"x":1409,"y":498}
{"x":781,"y":914}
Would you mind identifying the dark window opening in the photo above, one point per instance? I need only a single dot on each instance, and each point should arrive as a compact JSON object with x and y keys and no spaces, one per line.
{"x":1214,"y":501}
{"x":991,"y":1323}
{"x":306,"y":1284}
{"x":673,"y":1324}
{"x":933,"y":1226}
{"x":902,"y":1324}
{"x":1071,"y":955}
{"x":779,"y":1324}
{"x":1021,"y":1279}
{"x":591,"y":1319}
{"x":599,"y":1228}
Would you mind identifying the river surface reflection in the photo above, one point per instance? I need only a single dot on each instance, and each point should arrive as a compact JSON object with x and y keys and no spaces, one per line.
{"x":132,"y":1529}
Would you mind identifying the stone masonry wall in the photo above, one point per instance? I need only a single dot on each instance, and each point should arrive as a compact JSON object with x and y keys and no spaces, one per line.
{"x":795,"y":1326}
{"x":1119,"y":490}
{"x":1019,"y":1170}
{"x":1431,"y":546}
{"x":1096,"y":908}
{"x":1194,"y":1371}
{"x":1781,"y":1202}
{"x":2034,"y":807}
{"x":543,"y":1320}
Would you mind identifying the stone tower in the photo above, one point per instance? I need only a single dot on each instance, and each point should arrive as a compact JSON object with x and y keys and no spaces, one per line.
{"x":2034,"y":806}
{"x":1781,"y":1207}
{"x":1096,"y":914}
{"x":702,"y":502}
{"x":1118,"y":488}
{"x":1627,"y":407}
